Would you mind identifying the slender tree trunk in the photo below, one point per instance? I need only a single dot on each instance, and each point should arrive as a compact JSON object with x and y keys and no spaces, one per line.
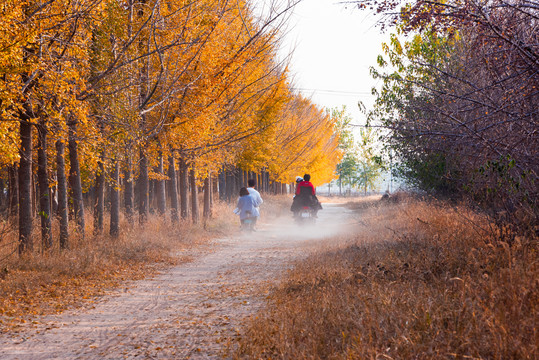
{"x":63,"y":213}
{"x":44,"y":191}
{"x":54,"y":199}
{"x":194,"y":197}
{"x":35,"y":191}
{"x":239,"y":175}
{"x":259,"y":183}
{"x":173,"y":189}
{"x":229,"y":185}
{"x":128,"y":192}
{"x":25,"y":188}
{"x":160,"y":188}
{"x":143,"y":188}
{"x":222,"y":184}
{"x":151,"y":194}
{"x":143,"y":181}
{"x":207,"y":198}
{"x":215,"y":194}
{"x":13,"y":191}
{"x":74,"y":178}
{"x":184,"y":189}
{"x":178,"y":187}
{"x":99,"y":208}
{"x":2,"y":198}
{"x":115,"y":201}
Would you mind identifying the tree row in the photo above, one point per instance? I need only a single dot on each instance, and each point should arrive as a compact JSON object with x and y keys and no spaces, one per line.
{"x":131,"y":104}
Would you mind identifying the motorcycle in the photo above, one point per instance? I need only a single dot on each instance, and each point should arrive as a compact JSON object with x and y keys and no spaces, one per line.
{"x":305,"y":216}
{"x":248,"y":224}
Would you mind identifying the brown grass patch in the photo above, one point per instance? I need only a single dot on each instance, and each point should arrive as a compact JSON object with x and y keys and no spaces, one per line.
{"x":421,"y":281}
{"x":40,"y":284}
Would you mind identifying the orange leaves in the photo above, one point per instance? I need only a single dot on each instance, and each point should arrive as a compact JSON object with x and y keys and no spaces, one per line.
{"x":200,"y":78}
{"x":304,"y":141}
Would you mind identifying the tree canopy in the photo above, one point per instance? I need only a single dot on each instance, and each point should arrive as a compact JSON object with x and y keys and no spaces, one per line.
{"x":126,"y":84}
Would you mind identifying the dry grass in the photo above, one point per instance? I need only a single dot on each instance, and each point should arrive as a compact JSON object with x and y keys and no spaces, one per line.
{"x":45,"y":283}
{"x":38,"y":284}
{"x":275,"y":206}
{"x":417,"y":281}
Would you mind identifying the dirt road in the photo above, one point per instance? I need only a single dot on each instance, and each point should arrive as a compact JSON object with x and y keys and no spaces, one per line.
{"x":188,"y":312}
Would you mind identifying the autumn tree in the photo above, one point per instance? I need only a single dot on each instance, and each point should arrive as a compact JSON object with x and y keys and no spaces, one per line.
{"x":125,"y":91}
{"x":459,"y":98}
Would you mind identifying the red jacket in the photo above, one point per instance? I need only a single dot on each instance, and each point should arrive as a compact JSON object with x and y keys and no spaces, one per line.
{"x":306,"y":184}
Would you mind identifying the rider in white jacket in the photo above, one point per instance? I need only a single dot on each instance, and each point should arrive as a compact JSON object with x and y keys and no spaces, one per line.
{"x":257,"y":198}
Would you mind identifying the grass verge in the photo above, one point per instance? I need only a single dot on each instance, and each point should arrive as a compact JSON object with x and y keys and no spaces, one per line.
{"x":42,"y":283}
{"x":416,"y":280}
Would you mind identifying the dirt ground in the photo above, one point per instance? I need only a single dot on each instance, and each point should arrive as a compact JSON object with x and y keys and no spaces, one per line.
{"x":192,"y":311}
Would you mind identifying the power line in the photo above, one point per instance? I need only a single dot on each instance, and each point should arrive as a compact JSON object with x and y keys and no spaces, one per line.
{"x":336,"y":92}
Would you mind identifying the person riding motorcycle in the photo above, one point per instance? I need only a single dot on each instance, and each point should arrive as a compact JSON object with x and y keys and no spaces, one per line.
{"x":305,"y":196}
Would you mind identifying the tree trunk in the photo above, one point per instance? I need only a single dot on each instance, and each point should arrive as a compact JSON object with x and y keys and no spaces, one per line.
{"x":115,"y":201}
{"x":35,"y":191}
{"x":184,"y":189}
{"x":194,"y":197}
{"x":214,"y":187}
{"x":239,"y":175}
{"x":44,"y":191}
{"x":13,"y":191}
{"x":54,"y":199}
{"x":2,"y":199}
{"x":25,"y":188}
{"x":173,"y":189}
{"x":99,"y":208}
{"x":74,"y":178}
{"x":151,"y":194}
{"x":63,"y":213}
{"x":143,"y":188}
{"x":160,"y":188}
{"x":207,"y":198}
{"x":229,"y":185}
{"x":221,"y":178}
{"x":128,"y":192}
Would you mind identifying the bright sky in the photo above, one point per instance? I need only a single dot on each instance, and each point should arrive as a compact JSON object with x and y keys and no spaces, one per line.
{"x":334,"y":48}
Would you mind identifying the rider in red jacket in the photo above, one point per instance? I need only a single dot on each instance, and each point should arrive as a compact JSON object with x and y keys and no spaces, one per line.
{"x":305,"y":183}
{"x":305,"y":196}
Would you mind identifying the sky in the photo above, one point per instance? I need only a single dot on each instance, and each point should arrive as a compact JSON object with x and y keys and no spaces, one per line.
{"x":333,"y":48}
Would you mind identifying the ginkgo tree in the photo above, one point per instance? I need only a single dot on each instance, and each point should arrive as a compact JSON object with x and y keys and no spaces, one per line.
{"x":144,"y":92}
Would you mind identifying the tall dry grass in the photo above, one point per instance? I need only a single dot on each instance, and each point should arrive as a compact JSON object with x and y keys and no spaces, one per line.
{"x":416,"y":281}
{"x":45,"y":282}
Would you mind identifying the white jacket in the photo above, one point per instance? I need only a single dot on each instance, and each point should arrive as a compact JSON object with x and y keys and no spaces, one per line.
{"x":257,"y":198}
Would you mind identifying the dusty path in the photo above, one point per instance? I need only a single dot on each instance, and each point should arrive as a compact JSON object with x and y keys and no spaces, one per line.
{"x":188,"y":312}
